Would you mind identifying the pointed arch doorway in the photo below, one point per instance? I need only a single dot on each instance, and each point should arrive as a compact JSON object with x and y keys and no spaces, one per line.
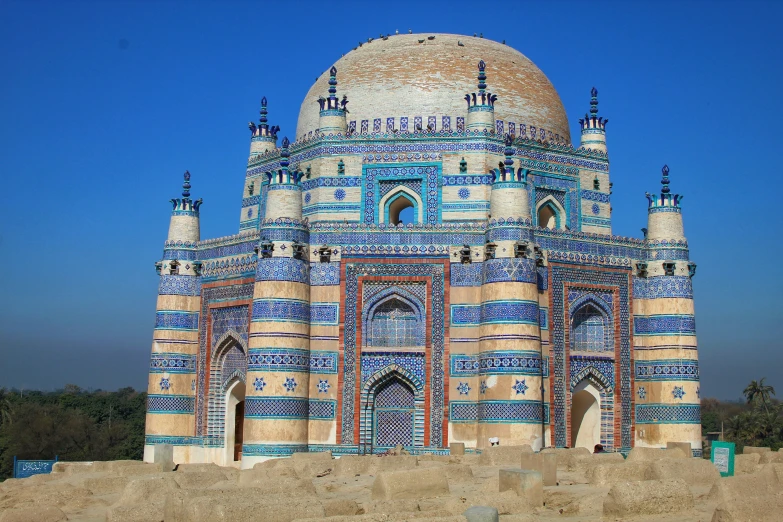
{"x":393,"y":414}
{"x":392,"y":411}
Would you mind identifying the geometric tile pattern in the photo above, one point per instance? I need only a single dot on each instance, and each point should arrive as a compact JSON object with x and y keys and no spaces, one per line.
{"x":394,"y":394}
{"x":321,"y":409}
{"x":276,"y":408}
{"x":325,"y":274}
{"x":465,"y":315}
{"x":393,"y":427}
{"x":464,"y":365}
{"x":167,"y":320}
{"x":602,"y":366}
{"x":172,"y":363}
{"x":543,"y":319}
{"x":322,"y":362}
{"x":229,"y":318}
{"x":664,"y":325}
{"x":509,"y":311}
{"x":324,"y":313}
{"x":372,"y":362}
{"x":463,"y":388}
{"x":667,"y":370}
{"x":170,"y":404}
{"x":662,"y":286}
{"x":278,"y":360}
{"x":510,"y":270}
{"x":234,"y":365}
{"x":498,"y":412}
{"x":468,"y":274}
{"x":592,"y":195}
{"x":520,"y":387}
{"x":668,"y":414}
{"x":285,"y":310}
{"x":179,"y":285}
{"x":511,"y":362}
{"x":283,"y":269}
{"x":414,"y":185}
{"x":393,"y":414}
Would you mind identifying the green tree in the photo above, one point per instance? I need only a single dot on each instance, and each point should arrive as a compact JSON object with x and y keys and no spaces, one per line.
{"x":757,"y":390}
{"x":6,"y":408}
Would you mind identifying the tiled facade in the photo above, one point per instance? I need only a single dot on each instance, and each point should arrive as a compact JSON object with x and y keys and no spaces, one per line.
{"x":328,"y":326}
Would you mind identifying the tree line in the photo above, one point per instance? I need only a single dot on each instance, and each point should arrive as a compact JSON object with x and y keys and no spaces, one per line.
{"x":72,"y":423}
{"x":758,"y":421}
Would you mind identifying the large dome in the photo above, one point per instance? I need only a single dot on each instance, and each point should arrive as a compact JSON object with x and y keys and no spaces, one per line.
{"x":429,"y":75}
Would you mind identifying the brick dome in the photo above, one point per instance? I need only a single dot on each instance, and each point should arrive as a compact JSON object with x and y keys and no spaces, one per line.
{"x":410,"y":75}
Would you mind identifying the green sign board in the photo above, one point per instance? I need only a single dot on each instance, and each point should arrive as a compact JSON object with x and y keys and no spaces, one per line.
{"x":723,"y":457}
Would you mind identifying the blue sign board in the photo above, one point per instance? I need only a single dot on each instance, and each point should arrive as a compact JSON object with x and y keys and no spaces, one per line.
{"x":28,"y":468}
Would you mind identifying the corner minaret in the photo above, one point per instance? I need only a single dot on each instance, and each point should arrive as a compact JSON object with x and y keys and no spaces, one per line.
{"x":184,"y":224}
{"x":171,"y":388}
{"x":481,"y":105}
{"x":276,"y":403}
{"x":510,"y":399}
{"x":664,"y":215}
{"x":284,"y":193}
{"x":666,"y":384}
{"x":593,"y":126}
{"x":263,"y":137}
{"x":332,"y":115}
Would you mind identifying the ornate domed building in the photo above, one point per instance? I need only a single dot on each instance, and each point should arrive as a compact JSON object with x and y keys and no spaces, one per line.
{"x":431,"y":261}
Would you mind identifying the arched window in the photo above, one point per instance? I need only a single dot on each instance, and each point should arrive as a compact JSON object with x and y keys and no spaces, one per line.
{"x":589,"y":331}
{"x":394,"y":324}
{"x":548,"y":217}
{"x":397,"y":206}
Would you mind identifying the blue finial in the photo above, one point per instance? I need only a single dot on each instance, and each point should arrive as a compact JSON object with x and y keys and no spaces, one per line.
{"x":333,"y":82}
{"x":482,"y":78}
{"x":593,"y":102}
{"x":186,"y":185}
{"x":665,"y":180}
{"x":263,"y":119}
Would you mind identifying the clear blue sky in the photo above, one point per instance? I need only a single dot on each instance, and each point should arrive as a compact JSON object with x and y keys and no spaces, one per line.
{"x":105,"y":104}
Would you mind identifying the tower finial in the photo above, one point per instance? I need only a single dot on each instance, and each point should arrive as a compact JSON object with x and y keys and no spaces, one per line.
{"x":263,"y":130}
{"x":666,"y":198}
{"x":593,"y":124}
{"x":186,"y":185}
{"x":665,"y":180}
{"x":332,"y":103}
{"x":482,"y":77}
{"x":593,"y":102}
{"x":333,"y":82}
{"x":263,"y":119}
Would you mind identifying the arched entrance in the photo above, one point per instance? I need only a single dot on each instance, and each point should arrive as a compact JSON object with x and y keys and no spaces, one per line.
{"x":393,"y":414}
{"x":234,"y":421}
{"x":392,"y":410}
{"x":585,"y":416}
